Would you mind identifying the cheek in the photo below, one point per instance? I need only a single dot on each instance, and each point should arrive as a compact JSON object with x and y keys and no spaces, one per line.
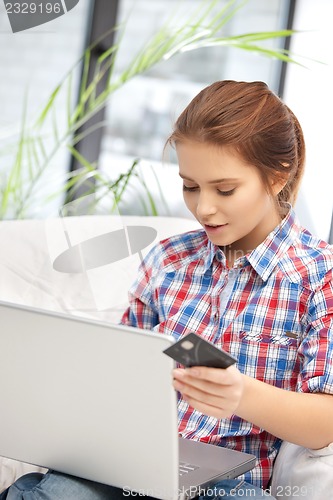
{"x":240,"y":204}
{"x":190,"y":201}
{"x":251,"y":201}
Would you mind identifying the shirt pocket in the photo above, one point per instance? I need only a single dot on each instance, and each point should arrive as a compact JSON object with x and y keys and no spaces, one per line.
{"x":270,"y":357}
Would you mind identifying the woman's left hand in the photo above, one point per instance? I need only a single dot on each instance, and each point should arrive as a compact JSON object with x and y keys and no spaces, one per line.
{"x":215,"y":392}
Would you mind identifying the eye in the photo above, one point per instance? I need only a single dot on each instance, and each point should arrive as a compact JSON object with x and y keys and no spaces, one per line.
{"x":189,"y":189}
{"x":226,"y":193}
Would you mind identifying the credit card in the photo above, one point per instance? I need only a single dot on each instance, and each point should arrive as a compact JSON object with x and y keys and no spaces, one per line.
{"x":193,"y":350}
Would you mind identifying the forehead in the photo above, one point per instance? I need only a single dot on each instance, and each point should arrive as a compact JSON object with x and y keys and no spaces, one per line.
{"x":208,"y":162}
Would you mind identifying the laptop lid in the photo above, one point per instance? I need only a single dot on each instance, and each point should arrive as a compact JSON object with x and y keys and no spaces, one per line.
{"x":95,"y":400}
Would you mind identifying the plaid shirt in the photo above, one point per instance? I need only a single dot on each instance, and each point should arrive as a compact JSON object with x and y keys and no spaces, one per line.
{"x":273,"y":311}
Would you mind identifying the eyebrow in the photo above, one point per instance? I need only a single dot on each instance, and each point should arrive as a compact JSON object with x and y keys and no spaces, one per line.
{"x":216,"y":181}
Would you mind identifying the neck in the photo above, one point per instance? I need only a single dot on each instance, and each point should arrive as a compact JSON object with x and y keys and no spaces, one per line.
{"x":251,"y":241}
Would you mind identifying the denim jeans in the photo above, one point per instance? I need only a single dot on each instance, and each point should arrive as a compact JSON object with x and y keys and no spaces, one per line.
{"x":57,"y":486}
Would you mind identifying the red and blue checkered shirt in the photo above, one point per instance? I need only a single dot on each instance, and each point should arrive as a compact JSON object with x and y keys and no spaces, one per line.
{"x":273,"y":311}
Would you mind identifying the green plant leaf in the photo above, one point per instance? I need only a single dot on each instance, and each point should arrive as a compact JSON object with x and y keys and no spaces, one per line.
{"x":42,"y":117}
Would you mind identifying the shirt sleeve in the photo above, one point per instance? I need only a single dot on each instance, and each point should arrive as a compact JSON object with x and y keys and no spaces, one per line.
{"x":142,"y":311}
{"x":316,"y":348}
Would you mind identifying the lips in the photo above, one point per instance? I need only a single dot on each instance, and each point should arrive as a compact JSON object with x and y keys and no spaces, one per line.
{"x":214,"y":229}
{"x":213,"y":226}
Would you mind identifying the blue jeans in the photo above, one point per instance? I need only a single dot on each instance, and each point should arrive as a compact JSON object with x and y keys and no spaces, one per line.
{"x":57,"y":486}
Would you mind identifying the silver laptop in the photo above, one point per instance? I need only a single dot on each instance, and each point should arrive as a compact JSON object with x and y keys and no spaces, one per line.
{"x":96,"y":400}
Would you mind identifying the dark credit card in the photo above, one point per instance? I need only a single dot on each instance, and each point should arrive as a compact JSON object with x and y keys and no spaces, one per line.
{"x":193,"y":350}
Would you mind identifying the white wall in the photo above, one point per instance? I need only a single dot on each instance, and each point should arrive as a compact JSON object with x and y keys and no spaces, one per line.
{"x":309,"y":93}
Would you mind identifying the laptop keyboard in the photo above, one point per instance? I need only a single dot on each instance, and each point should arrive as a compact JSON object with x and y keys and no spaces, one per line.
{"x":185,"y":468}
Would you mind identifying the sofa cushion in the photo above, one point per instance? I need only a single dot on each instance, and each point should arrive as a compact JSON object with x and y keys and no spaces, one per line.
{"x":30,"y":249}
{"x":303,"y":473}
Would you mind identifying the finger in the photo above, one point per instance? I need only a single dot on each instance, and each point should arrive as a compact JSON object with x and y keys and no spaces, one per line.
{"x":187,"y":384}
{"x":225,"y":376}
{"x":208,"y":408}
{"x":212,"y":394}
{"x":217,"y":386}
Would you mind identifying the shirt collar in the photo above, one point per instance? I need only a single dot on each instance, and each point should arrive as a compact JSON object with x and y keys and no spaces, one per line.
{"x":209,"y":255}
{"x":265,"y":257}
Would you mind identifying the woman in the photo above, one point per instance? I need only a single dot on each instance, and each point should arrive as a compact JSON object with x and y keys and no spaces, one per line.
{"x":252,"y":281}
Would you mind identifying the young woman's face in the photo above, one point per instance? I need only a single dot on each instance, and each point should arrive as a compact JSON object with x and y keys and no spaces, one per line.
{"x":226,"y":195}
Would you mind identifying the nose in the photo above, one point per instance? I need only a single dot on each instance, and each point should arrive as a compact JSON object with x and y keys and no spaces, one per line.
{"x":205,"y":206}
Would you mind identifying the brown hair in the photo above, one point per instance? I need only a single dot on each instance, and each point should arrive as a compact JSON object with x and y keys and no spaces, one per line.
{"x":251,"y":118}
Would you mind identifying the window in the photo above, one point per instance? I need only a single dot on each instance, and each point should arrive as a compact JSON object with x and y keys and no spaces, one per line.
{"x":140,"y":114}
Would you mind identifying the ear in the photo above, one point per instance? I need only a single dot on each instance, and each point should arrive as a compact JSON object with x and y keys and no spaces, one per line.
{"x":279,"y":182}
